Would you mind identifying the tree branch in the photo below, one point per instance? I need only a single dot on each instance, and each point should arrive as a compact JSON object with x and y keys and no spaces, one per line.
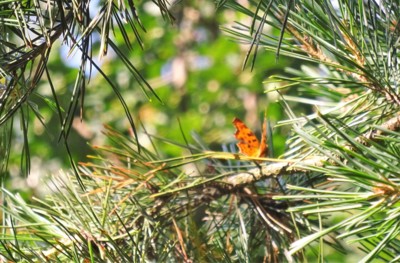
{"x":292,"y":167}
{"x":274,"y":170}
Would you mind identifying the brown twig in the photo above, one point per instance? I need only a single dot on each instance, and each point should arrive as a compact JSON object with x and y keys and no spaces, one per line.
{"x":273,"y":170}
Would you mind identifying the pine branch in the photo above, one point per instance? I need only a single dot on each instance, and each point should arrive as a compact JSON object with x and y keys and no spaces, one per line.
{"x":274,"y":170}
{"x":293,"y":167}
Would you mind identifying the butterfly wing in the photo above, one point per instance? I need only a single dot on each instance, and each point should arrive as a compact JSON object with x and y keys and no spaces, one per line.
{"x":248,"y":143}
{"x":263,"y":148}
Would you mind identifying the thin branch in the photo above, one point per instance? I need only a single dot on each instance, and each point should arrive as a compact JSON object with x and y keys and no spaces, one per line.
{"x":37,"y":50}
{"x":274,"y":170}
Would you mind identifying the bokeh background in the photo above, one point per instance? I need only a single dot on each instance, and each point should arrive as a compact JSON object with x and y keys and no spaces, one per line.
{"x":194,"y":66}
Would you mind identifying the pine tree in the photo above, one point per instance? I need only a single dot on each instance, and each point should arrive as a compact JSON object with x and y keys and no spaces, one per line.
{"x":335,"y":190}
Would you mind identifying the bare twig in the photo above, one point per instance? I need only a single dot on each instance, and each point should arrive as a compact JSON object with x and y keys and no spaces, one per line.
{"x":274,"y":170}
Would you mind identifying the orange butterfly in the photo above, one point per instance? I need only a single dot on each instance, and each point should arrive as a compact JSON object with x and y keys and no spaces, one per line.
{"x":248,"y":143}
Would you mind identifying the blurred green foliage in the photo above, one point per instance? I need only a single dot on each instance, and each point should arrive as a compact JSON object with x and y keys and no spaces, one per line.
{"x":195,"y":69}
{"x":200,"y":83}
